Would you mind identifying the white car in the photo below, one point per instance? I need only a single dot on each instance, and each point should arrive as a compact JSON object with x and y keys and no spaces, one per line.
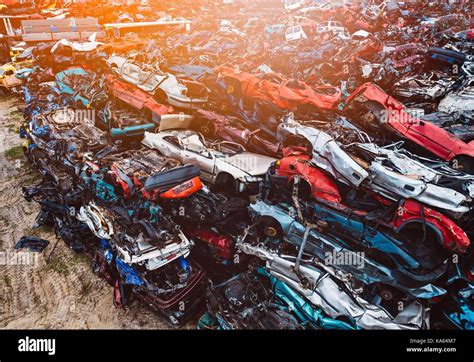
{"x":330,"y":26}
{"x":293,"y":4}
{"x":293,"y":33}
{"x":313,"y":9}
{"x":360,"y":35}
{"x":221,"y":163}
{"x":303,"y":30}
{"x":134,"y":251}
{"x":164,"y":86}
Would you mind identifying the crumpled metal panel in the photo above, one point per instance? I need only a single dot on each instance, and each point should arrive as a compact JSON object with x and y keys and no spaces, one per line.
{"x":326,"y":153}
{"x":408,"y":165}
{"x":319,"y":244}
{"x":154,"y":258}
{"x":150,"y":81}
{"x":460,"y":103}
{"x":147,"y":81}
{"x":326,"y":294}
{"x":394,"y":185}
{"x":402,"y":163}
{"x":330,"y":157}
{"x":95,"y":220}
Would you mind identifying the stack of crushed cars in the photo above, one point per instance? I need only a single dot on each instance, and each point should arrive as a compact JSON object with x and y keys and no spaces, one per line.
{"x":241,"y":180}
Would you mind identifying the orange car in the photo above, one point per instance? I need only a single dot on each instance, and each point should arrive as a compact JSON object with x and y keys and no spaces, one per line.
{"x":284,"y":93}
{"x":135,"y":97}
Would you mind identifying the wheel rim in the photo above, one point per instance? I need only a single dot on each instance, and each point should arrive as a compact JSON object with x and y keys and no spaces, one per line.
{"x":271,"y":231}
{"x":386,"y":295}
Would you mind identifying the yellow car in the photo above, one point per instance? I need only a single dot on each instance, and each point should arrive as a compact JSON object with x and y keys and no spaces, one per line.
{"x":7,"y":70}
{"x":8,"y":79}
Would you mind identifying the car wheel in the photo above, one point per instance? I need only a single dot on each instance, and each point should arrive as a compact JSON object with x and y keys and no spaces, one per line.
{"x":420,"y":239}
{"x":207,"y":129}
{"x":225,"y":183}
{"x":464,"y":163}
{"x":386,"y":294}
{"x":304,"y":189}
{"x":270,"y":228}
{"x":160,"y":96}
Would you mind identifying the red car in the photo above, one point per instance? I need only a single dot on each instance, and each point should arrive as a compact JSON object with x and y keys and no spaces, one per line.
{"x":378,"y":113}
{"x":284,"y":93}
{"x":409,"y":215}
{"x":222,"y":246}
{"x":296,"y":163}
{"x":135,"y":97}
{"x":407,"y":219}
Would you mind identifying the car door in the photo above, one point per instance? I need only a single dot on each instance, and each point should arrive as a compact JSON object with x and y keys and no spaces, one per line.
{"x":429,"y":136}
{"x":171,"y":148}
{"x":202,"y":158}
{"x":205,"y":163}
{"x":289,"y":33}
{"x":122,"y":92}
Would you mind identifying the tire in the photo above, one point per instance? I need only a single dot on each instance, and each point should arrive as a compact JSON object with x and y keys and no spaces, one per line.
{"x":464,"y":163}
{"x":412,"y":232}
{"x":161,"y":97}
{"x":304,"y":189}
{"x":225,"y":183}
{"x":387,"y":292}
{"x":269,"y":227}
{"x":207,"y":129}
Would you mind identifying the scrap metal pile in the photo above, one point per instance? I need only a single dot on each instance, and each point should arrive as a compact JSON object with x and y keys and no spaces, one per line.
{"x":303,"y":169}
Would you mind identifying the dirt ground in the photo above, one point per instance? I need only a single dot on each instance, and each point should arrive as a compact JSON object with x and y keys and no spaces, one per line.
{"x":60,"y":293}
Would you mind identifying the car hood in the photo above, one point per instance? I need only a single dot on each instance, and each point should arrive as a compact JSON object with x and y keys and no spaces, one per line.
{"x":251,"y":163}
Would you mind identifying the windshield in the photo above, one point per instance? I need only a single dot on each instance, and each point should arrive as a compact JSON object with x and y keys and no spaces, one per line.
{"x":193,"y":143}
{"x":227,"y":148}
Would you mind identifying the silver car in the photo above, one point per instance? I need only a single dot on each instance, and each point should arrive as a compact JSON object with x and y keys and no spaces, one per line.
{"x":221,"y":163}
{"x":332,"y":158}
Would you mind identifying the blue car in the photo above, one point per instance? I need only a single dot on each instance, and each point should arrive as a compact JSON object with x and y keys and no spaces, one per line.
{"x":379,"y":259}
{"x":258,"y":300}
{"x":64,"y":87}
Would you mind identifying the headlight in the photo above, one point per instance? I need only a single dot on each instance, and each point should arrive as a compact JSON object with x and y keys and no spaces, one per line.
{"x":244,"y":182}
{"x":249,"y":179}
